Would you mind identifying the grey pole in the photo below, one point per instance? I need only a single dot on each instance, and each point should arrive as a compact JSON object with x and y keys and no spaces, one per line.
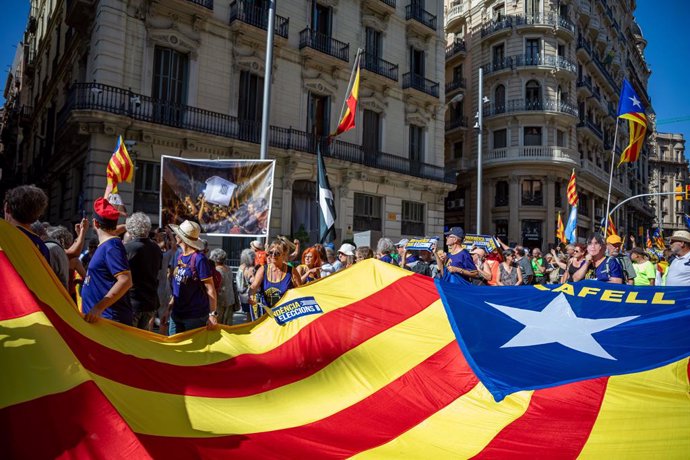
{"x":266,"y":109}
{"x":480,"y":114}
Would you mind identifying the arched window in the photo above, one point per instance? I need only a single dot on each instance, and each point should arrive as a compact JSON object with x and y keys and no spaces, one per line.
{"x":533,"y":95}
{"x":500,"y":99}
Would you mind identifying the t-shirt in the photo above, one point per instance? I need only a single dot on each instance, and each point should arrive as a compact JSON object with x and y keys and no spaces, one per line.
{"x":145,"y":262}
{"x":536,"y":263}
{"x":678,"y":273}
{"x":461,"y":259}
{"x":191,"y":299}
{"x":388,"y":259}
{"x":609,"y":268}
{"x":526,"y":267}
{"x":109,"y":260}
{"x":59,"y":261}
{"x":38,"y":242}
{"x":643,"y":273}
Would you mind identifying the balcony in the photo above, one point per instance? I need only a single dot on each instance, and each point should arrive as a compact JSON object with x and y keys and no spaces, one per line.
{"x":80,"y":13}
{"x":548,"y":61}
{"x":323,"y":43}
{"x":456,"y":49}
{"x":498,"y":65}
{"x":532,"y":154}
{"x":601,"y":67}
{"x":245,"y":12}
{"x":593,"y":128}
{"x":26,"y":114}
{"x":454,"y":123}
{"x":411,"y":80}
{"x":501,"y":26}
{"x":585,"y":9}
{"x":454,"y":85}
{"x":455,"y":16}
{"x":414,"y":12}
{"x":121,"y":102}
{"x":208,"y":4}
{"x":584,"y":87}
{"x":379,"y":66}
{"x":526,"y":105}
{"x":538,"y":21}
{"x":385,"y":7}
{"x":584,"y":48}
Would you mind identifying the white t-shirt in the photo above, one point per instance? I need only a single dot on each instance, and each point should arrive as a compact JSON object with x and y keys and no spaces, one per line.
{"x":679,"y":271}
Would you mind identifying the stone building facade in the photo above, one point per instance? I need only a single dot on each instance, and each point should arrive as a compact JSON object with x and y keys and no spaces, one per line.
{"x":185,"y":78}
{"x":668,"y":170}
{"x":552,"y":71}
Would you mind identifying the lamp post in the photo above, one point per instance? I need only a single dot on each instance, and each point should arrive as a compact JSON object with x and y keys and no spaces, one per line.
{"x":480,"y":113}
{"x":266,"y":109}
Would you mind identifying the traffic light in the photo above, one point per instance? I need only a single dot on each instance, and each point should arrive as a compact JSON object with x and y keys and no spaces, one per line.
{"x":679,"y":193}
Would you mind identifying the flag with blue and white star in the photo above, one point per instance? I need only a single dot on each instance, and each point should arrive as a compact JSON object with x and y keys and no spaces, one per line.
{"x":528,"y":338}
{"x":630,"y":108}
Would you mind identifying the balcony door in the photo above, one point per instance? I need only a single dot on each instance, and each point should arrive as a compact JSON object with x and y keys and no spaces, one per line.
{"x":416,"y":63}
{"x":371,"y":134}
{"x":532,"y":7}
{"x":373,"y":44}
{"x":318,"y":117}
{"x":321,"y":19}
{"x":532,"y":51}
{"x":170,"y":76}
{"x":416,"y":153}
{"x":250,"y":106}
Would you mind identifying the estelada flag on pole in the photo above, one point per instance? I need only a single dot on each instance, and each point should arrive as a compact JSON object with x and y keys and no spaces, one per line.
{"x":630,"y":107}
{"x":610,"y":228}
{"x":347,"y":115}
{"x":560,"y":229}
{"x":120,"y":168}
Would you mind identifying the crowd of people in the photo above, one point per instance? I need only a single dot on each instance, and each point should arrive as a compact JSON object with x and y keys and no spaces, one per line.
{"x":166,"y":279}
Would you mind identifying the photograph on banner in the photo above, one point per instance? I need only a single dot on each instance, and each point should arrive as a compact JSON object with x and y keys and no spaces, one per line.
{"x":421,"y":244}
{"x":226,"y":197}
{"x":486,"y":242}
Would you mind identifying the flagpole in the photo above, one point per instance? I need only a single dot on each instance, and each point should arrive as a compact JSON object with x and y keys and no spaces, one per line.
{"x":265,"y":119}
{"x":608,"y":198}
{"x":349,"y":86}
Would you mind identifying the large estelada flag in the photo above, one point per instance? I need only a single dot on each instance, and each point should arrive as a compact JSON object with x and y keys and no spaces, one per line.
{"x":630,"y":108}
{"x":120,"y":168}
{"x":361,"y":363}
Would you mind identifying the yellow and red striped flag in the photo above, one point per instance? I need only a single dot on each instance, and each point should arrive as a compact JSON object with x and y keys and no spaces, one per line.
{"x":650,"y":244}
{"x":120,"y":168}
{"x":572,"y":190}
{"x":378,"y":374}
{"x":630,"y":108}
{"x":610,"y":228}
{"x":560,"y":229}
{"x":349,"y":112}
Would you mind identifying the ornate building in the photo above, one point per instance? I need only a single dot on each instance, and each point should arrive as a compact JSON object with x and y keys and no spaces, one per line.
{"x":552,"y":72}
{"x":668,"y":169}
{"x":185,"y":78}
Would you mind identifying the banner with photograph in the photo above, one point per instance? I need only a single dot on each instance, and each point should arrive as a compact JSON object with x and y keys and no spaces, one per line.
{"x":226,"y":197}
{"x":421,"y":244}
{"x":486,"y":242}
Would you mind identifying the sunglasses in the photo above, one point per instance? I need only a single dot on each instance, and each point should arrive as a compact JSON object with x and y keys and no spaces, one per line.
{"x":275,"y":253}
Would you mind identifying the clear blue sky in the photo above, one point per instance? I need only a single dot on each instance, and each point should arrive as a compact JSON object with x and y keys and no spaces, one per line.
{"x":664,"y":25}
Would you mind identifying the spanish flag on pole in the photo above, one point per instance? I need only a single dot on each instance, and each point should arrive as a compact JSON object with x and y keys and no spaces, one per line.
{"x":560,"y":230}
{"x":120,"y":168}
{"x":349,"y":111}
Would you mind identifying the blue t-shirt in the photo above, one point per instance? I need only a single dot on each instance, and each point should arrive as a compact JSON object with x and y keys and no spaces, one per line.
{"x":463,"y":260}
{"x":109,"y":260}
{"x":388,"y":259}
{"x":38,"y":242}
{"x":609,"y":268}
{"x":191,"y":299}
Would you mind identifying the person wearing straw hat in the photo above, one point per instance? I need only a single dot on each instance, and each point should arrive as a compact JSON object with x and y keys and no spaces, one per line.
{"x":678,"y":273}
{"x":193,"y":302}
{"x":108,"y":279}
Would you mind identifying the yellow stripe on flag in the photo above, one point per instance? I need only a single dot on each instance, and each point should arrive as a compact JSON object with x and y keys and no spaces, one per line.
{"x":362,"y":371}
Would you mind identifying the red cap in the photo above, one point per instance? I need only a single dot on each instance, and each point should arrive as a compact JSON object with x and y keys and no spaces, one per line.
{"x":105,"y":210}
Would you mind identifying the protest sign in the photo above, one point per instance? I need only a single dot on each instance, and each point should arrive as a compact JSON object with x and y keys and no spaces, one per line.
{"x":421,"y":244}
{"x":486,"y":242}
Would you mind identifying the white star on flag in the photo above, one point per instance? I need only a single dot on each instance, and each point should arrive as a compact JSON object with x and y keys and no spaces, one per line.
{"x":558,"y":323}
{"x":636,"y":102}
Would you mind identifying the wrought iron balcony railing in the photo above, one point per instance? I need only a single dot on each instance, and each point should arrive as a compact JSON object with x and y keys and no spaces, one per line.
{"x":418,"y":82}
{"x":245,"y":11}
{"x":458,"y":46}
{"x":415,"y":12}
{"x":586,"y":123}
{"x":546,"y":20}
{"x":498,"y":64}
{"x":585,"y":82}
{"x":559,"y":62}
{"x":505,"y":22}
{"x":205,"y":3}
{"x":454,"y":84}
{"x":456,"y":122}
{"x":380,"y":66}
{"x":531,"y":105}
{"x":584,"y":44}
{"x":122,"y":102}
{"x":311,"y":39}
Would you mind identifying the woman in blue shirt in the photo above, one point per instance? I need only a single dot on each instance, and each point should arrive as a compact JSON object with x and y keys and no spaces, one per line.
{"x":272,"y":280}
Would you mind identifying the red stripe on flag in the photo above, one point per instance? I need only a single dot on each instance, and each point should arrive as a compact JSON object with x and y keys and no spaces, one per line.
{"x":383,"y":416}
{"x":557,"y":423}
{"x":78,"y":423}
{"x":16,"y":300}
{"x":248,"y":374}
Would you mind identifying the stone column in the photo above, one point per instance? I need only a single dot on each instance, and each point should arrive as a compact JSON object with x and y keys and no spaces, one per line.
{"x":514,"y":230}
{"x":550,"y":236}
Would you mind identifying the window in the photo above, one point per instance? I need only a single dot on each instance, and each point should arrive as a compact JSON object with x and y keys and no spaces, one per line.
{"x":532,"y":193}
{"x":561,"y":50}
{"x":560,"y":138}
{"x":502,"y":193}
{"x":321,"y":20}
{"x":532,"y":7}
{"x":367,"y":213}
{"x":499,"y":53}
{"x":500,"y":99}
{"x":499,"y":12}
{"x":532,"y":135}
{"x":169,"y":85}
{"x":371,"y":133}
{"x":147,"y":186}
{"x":305,"y":210}
{"x":583,"y":205}
{"x":373,"y":44}
{"x":416,"y":62}
{"x":532,"y":51}
{"x":500,"y":139}
{"x":412,"y":218}
{"x":457,"y":112}
{"x":457,"y":150}
{"x":533,"y":95}
{"x":502,"y":229}
{"x":457,"y":73}
{"x":416,"y":153}
{"x":318,"y":114}
{"x":250,"y":106}
{"x":558,"y":199}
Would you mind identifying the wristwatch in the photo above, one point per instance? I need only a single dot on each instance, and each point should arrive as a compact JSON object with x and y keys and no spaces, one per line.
{"x":213,"y":313}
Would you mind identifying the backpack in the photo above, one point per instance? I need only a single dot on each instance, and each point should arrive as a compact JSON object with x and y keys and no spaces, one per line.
{"x":215,"y":274}
{"x":628,"y":269}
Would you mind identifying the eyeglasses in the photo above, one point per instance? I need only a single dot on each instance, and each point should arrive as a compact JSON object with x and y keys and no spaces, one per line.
{"x":275,"y":253}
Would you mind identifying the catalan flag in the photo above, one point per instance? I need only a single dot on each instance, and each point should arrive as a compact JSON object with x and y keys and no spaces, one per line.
{"x":560,"y":229}
{"x":120,"y":167}
{"x":347,"y":116}
{"x":630,"y":108}
{"x":373,"y":370}
{"x":572,"y":190}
